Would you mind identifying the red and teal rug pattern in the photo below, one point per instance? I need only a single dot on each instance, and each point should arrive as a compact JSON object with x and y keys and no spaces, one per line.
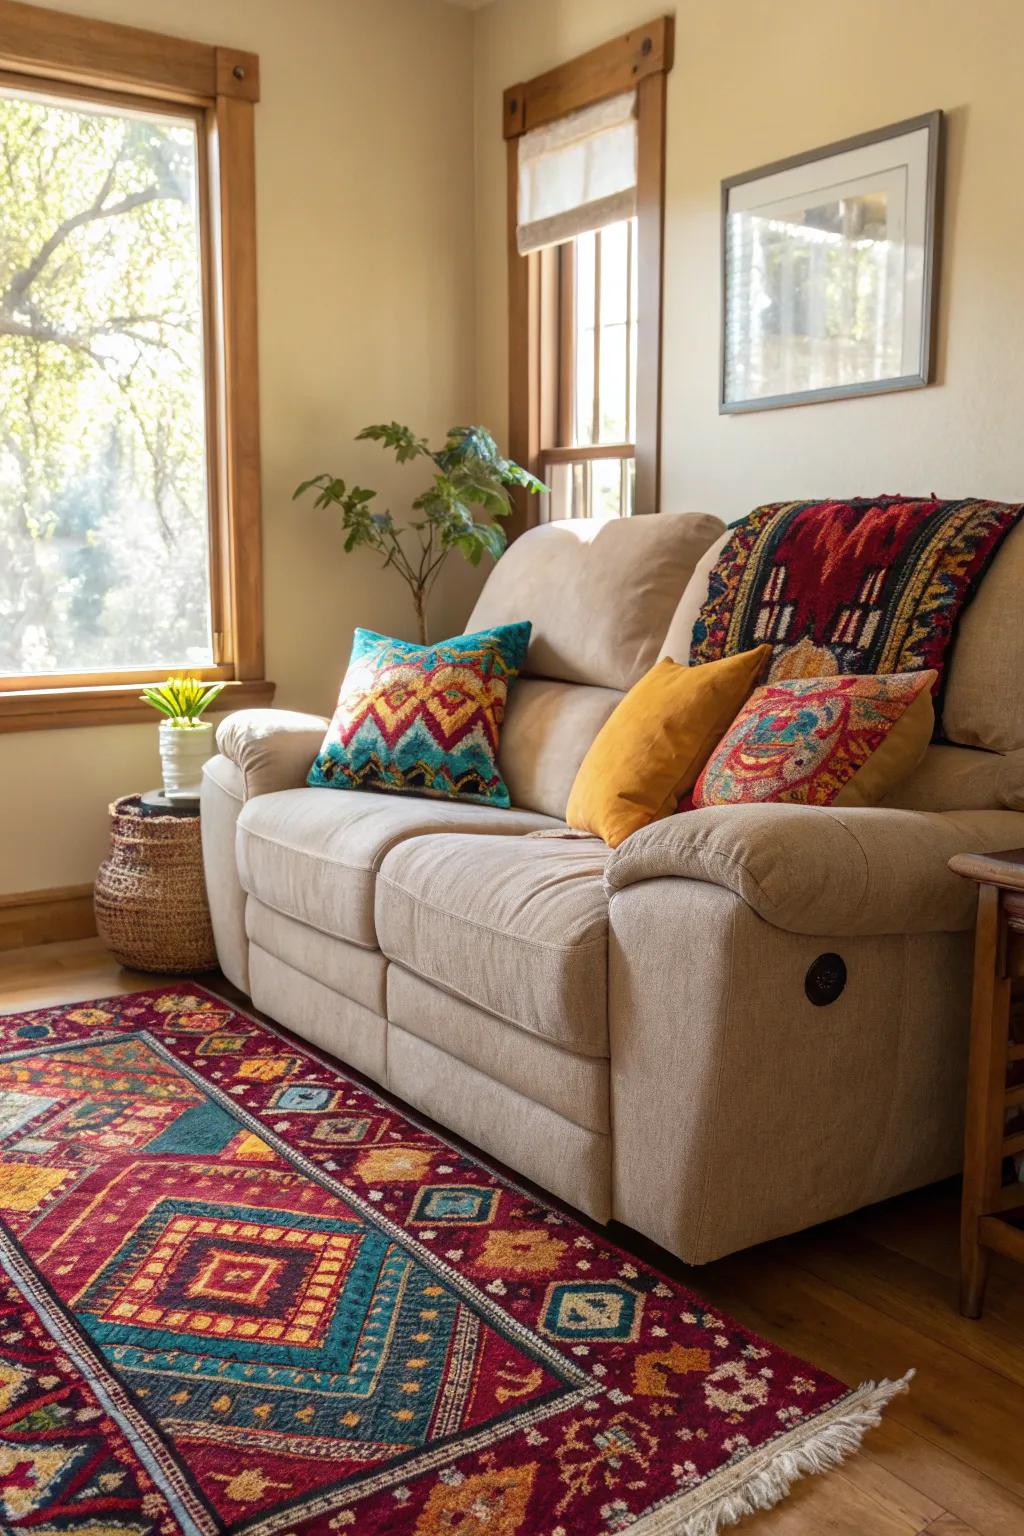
{"x":240,"y":1293}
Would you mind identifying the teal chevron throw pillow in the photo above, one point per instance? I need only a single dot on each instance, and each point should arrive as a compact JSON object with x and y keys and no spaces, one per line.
{"x":423,"y":719}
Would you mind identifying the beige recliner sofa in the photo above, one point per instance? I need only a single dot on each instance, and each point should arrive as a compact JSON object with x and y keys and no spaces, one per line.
{"x":742,"y":1021}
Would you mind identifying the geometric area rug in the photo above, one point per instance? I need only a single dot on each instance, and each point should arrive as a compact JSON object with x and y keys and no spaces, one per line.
{"x":241,"y":1293}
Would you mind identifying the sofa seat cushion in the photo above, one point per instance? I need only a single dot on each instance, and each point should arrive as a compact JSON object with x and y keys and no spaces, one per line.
{"x":516,"y":925}
{"x":313,"y":854}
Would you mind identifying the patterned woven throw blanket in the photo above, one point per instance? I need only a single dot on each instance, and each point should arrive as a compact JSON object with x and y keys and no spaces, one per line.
{"x":850,"y":586}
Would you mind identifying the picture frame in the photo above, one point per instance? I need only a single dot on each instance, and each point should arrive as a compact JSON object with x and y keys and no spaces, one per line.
{"x":830,"y":265}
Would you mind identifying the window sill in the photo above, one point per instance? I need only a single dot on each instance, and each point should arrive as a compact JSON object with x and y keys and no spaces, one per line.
{"x":53,"y":709}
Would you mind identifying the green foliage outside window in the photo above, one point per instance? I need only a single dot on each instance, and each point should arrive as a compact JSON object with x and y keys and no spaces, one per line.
{"x":103,"y":499}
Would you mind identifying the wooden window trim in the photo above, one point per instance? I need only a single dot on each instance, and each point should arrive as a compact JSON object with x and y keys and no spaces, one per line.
{"x":566,"y":342}
{"x":640,"y":60}
{"x":221,"y":86}
{"x":48,"y":709}
{"x":587,"y":453}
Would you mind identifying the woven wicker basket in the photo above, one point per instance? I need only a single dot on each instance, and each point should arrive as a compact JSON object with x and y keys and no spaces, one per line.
{"x":150,"y":895}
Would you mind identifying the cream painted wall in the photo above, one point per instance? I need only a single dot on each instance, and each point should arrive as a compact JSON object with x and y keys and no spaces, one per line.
{"x":372,"y":113}
{"x":365,"y":264}
{"x":756,"y":80}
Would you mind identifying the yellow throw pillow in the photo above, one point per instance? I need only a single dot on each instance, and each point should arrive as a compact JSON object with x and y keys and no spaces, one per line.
{"x":651,"y":749}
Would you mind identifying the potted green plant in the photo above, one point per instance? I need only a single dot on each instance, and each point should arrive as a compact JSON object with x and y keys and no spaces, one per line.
{"x":186,"y":741}
{"x":470,"y":475}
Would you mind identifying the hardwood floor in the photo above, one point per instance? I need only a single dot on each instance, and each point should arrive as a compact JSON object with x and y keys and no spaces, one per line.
{"x":864,"y":1297}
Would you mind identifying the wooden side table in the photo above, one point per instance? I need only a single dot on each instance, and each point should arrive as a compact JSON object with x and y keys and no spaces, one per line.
{"x":992,"y":1214}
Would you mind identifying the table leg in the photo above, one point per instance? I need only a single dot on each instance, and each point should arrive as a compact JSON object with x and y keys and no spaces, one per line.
{"x":986,"y":1088}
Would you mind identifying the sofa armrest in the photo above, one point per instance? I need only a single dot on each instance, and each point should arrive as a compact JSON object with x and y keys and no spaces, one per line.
{"x":824,"y":870}
{"x":272,"y":748}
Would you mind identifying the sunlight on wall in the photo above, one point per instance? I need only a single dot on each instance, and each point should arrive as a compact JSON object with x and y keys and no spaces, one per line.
{"x":365,"y":261}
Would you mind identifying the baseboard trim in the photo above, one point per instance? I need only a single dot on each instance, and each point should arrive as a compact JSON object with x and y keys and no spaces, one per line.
{"x":46,"y":917}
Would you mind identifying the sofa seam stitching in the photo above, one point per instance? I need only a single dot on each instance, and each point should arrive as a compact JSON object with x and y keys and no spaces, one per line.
{"x":305,"y":853}
{"x":297,"y":917}
{"x":591,"y":1130}
{"x":371,"y":869}
{"x":319,"y":981}
{"x":472,"y":922}
{"x":604,"y":1135}
{"x":704,"y":853}
{"x":738,"y":862}
{"x":472,"y":1002}
{"x":708,"y":1158}
{"x":454,"y":831}
{"x":865,"y":862}
{"x":239,"y":799}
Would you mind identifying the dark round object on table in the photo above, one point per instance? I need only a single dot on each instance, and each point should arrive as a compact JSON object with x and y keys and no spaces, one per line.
{"x":155,"y":802}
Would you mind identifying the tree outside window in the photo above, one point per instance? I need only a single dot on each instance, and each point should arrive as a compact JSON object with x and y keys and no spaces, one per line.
{"x":104,"y":503}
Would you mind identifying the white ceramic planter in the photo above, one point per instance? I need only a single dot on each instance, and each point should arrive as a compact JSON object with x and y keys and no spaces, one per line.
{"x":183,"y":751}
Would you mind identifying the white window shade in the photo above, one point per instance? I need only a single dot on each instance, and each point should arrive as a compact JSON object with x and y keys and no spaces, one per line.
{"x":577,"y":174}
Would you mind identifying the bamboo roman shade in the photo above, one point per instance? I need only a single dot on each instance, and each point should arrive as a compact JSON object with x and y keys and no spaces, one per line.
{"x":578,"y":173}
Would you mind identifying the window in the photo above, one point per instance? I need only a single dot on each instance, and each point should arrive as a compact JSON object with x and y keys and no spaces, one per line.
{"x":129,"y":490}
{"x":597,"y":377}
{"x":104,"y":504}
{"x":586,"y":175}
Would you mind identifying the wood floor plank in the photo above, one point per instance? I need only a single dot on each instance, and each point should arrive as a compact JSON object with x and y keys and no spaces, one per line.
{"x":965,"y":1492}
{"x":835,"y":1505}
{"x":64,"y":973}
{"x":916,"y":1295}
{"x":924,"y":1227}
{"x":891,"y":1492}
{"x":954,"y":1402}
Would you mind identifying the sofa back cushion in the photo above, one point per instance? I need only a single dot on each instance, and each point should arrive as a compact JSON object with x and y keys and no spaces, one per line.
{"x":600,"y":597}
{"x":984,"y":704}
{"x":598,"y":594}
{"x":547,"y":733}
{"x":960,"y":779}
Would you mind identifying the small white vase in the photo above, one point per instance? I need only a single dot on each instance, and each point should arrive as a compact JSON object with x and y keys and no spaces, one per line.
{"x":183,"y":751}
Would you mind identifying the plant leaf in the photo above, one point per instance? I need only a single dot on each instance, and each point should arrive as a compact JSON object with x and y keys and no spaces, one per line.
{"x":150,"y":696}
{"x":401,"y":440}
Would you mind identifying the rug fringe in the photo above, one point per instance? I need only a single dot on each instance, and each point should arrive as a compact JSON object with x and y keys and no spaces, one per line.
{"x":820,"y":1448}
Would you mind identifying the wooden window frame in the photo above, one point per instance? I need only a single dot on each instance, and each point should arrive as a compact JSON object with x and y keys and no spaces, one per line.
{"x":640,"y":60}
{"x":46,"y":50}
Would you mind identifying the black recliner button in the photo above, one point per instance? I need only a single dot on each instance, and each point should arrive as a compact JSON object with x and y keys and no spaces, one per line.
{"x":825,"y":980}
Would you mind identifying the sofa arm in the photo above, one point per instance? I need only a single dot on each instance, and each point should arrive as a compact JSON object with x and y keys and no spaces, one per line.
{"x":824,"y":870}
{"x":272,"y":748}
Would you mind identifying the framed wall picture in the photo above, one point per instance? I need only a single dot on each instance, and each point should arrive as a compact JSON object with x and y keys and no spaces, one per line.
{"x":830,"y":263}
